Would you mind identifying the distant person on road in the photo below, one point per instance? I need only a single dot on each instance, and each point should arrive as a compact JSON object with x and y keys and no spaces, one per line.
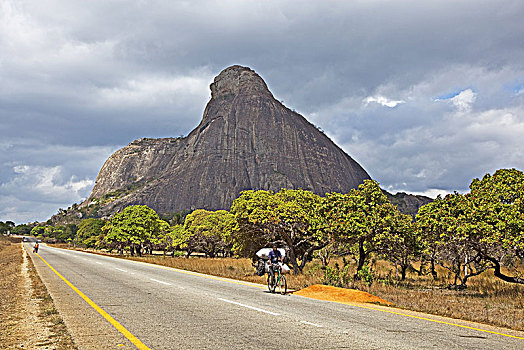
{"x":35,"y":248}
{"x":274,"y":258}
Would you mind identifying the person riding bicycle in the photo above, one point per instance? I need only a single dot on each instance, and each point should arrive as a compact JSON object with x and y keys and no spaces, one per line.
{"x":274,"y":258}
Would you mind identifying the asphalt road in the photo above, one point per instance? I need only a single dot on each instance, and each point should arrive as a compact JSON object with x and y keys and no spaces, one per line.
{"x":172,"y":309}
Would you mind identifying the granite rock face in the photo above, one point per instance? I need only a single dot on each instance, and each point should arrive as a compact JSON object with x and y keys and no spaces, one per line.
{"x":408,"y":203}
{"x":246,"y":140}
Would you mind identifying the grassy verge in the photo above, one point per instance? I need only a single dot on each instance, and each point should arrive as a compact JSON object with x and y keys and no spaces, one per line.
{"x":28,"y":315}
{"x":487,"y":299}
{"x":10,"y":262}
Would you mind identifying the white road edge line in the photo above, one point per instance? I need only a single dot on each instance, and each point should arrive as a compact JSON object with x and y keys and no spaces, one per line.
{"x":98,"y":262}
{"x":116,"y":268}
{"x":311,"y":324}
{"x":162,"y":282}
{"x":250,"y":307}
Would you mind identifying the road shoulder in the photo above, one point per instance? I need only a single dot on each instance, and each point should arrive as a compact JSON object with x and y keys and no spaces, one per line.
{"x":88,"y":329}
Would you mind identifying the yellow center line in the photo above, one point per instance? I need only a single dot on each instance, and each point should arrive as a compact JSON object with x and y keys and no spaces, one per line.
{"x":429,"y":319}
{"x":104,"y":314}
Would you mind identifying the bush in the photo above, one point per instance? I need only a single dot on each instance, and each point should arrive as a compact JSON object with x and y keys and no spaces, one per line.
{"x":366,"y":274}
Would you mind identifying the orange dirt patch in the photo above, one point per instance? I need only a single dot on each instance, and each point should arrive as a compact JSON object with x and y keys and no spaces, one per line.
{"x":329,"y":293}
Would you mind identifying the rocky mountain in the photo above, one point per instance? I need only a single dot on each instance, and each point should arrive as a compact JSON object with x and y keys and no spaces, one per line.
{"x":246,"y":140}
{"x":408,"y":203}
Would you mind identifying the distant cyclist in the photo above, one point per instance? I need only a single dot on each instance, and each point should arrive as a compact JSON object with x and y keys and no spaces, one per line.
{"x":274,"y":258}
{"x":35,"y":248}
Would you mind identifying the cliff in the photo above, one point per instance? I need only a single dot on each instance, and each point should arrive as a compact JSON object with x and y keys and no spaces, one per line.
{"x":246,"y":140}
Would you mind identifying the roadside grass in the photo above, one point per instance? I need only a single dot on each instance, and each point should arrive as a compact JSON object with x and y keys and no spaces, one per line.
{"x":10,"y":262}
{"x":487,"y":299}
{"x":224,"y":267}
{"x":18,"y":304}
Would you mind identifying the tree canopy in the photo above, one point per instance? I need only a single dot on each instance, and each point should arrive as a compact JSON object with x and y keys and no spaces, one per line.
{"x":289,"y":218}
{"x":136,"y":226}
{"x":205,"y":231}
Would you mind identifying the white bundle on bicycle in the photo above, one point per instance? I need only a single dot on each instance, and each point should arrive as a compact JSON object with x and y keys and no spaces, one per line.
{"x":285,"y":268}
{"x":264,"y":255}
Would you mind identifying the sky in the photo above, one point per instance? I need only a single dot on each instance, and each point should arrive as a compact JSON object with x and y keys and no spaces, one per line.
{"x":425,"y":95}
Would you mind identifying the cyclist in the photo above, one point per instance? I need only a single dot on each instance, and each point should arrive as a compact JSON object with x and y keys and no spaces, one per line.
{"x":274,"y":258}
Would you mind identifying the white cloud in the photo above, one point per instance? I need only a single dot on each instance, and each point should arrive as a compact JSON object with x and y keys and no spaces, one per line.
{"x":464,"y":100}
{"x":22,"y":210}
{"x":153,"y":91}
{"x":46,"y":183}
{"x":443,"y":155}
{"x":37,"y":178}
{"x":383,"y":101}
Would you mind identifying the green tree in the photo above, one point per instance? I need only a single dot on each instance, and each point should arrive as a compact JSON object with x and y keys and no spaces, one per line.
{"x":480,"y":230}
{"x":90,"y":232}
{"x":21,"y":230}
{"x":179,"y":239}
{"x":496,"y":222}
{"x":454,"y":240}
{"x":206,"y":231}
{"x":429,"y":229}
{"x":289,"y":218}
{"x":38,"y":231}
{"x":398,"y":241}
{"x":356,"y":220}
{"x":135,"y":227}
{"x":6,"y":227}
{"x":3,"y":228}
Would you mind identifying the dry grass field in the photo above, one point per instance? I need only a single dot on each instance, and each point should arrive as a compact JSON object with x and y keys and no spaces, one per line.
{"x":28,"y":318}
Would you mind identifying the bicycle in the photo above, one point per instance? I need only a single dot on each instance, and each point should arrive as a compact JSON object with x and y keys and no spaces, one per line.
{"x":278,"y":280}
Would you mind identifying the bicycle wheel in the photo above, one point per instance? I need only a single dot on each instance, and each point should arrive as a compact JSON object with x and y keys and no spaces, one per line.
{"x":282,"y":284}
{"x":270,"y":284}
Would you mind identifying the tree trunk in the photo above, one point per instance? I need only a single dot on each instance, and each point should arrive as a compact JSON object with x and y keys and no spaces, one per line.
{"x":292,"y":255}
{"x":403,"y":270}
{"x":308,"y":252}
{"x":433,"y":271}
{"x":499,"y":274}
{"x":293,"y":259}
{"x":362,"y":255}
{"x":420,"y":271}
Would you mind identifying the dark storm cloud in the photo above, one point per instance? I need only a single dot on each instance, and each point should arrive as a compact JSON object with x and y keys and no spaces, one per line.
{"x":79,"y":80}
